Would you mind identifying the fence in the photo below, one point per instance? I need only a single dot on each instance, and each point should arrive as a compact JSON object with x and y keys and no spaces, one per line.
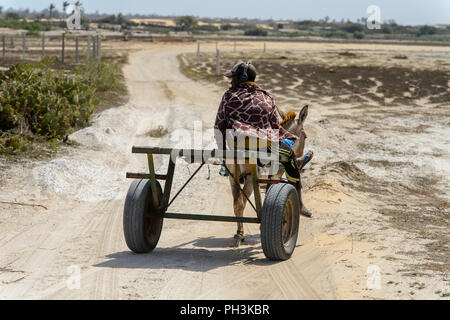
{"x":69,"y":48}
{"x":218,"y":64}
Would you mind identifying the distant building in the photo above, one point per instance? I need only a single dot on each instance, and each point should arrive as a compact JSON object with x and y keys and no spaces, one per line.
{"x":282,"y":24}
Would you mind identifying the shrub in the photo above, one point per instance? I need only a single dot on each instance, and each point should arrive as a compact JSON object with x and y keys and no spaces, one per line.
{"x":12,"y":143}
{"x":38,"y":103}
{"x":186,"y":23}
{"x":359,"y":35}
{"x":103,"y":77}
{"x":256,"y":32}
{"x":353,"y":27}
{"x":426,"y":30}
{"x":387,"y":29}
{"x":22,"y":24}
{"x":46,"y":102}
{"x":226,"y":27}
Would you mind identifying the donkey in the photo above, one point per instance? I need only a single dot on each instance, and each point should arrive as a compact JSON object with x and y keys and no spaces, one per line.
{"x":242,"y":172}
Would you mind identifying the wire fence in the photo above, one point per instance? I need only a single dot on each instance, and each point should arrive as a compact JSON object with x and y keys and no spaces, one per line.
{"x":68,"y":48}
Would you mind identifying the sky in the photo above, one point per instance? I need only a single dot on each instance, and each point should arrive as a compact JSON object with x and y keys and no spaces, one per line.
{"x":409,"y":12}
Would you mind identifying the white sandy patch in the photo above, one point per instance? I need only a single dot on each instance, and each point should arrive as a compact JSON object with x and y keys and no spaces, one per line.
{"x":81,"y":179}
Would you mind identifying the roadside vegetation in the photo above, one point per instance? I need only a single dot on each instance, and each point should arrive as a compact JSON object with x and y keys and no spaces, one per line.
{"x":41,"y":103}
{"x":31,"y":27}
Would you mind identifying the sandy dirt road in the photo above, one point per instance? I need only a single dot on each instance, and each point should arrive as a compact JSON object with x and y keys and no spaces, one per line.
{"x":79,"y":232}
{"x":84,"y":190}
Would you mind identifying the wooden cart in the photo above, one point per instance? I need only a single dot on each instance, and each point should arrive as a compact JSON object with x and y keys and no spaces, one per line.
{"x":147,"y":204}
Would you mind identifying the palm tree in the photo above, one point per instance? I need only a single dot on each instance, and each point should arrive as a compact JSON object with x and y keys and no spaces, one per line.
{"x":51,"y":8}
{"x":65,"y":5}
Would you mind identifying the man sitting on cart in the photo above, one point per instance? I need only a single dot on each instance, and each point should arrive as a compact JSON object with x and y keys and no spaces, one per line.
{"x":248,"y":110}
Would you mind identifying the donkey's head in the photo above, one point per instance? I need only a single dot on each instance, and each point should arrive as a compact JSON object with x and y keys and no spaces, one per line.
{"x":295,"y":126}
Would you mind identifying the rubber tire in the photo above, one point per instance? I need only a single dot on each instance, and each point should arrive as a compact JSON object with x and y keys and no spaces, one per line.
{"x":273,"y":210}
{"x":142,"y":223}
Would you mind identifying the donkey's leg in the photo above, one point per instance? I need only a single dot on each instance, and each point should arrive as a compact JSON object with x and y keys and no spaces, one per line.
{"x":238,"y":206}
{"x":248,"y":190}
{"x":238,"y":202}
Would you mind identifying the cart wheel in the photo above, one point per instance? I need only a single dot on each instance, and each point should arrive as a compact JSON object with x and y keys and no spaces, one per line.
{"x":280,"y":221}
{"x":142,"y":222}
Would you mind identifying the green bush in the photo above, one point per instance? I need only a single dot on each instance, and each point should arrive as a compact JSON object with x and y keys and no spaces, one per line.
{"x":186,"y":23}
{"x":352,"y":27}
{"x":9,"y":116}
{"x":103,"y":77}
{"x":13,"y":143}
{"x":359,"y":35}
{"x":256,"y":32}
{"x":387,"y":29}
{"x":47,"y":102}
{"x":39,"y":103}
{"x":24,"y":25}
{"x":226,"y":27}
{"x":426,"y":30}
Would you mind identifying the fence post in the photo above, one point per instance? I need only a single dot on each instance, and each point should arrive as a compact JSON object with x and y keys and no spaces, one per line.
{"x":234,"y":49}
{"x":99,"y":48}
{"x":77,"y":53}
{"x":24,"y":45}
{"x":198,"y":52}
{"x":88,"y":50}
{"x":94,"y":48}
{"x":63,"y":47}
{"x":43,"y":45}
{"x":4,"y":45}
{"x":264,"y":47}
{"x":218,"y":63}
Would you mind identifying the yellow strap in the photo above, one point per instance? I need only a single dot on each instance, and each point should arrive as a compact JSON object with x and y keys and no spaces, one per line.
{"x":276,"y":149}
{"x":249,"y":82}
